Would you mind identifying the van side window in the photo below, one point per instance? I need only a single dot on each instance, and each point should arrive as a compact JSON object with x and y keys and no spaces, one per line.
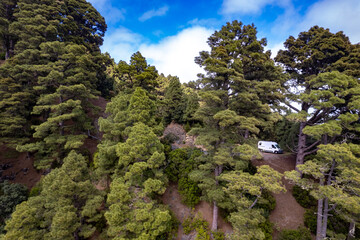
{"x":273,"y":146}
{"x":260,"y":144}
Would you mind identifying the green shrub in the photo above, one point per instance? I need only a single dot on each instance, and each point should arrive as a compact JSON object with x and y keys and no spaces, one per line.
{"x":197,"y":223}
{"x":310,"y":219}
{"x":181,"y":162}
{"x":299,"y":234}
{"x":267,"y":228}
{"x":218,"y":235}
{"x":190,"y":192}
{"x":36,"y":190}
{"x":303,"y":197}
{"x":187,"y":127}
{"x":202,"y":234}
{"x":267,"y":202}
{"x":11,"y":194}
{"x":170,"y":138}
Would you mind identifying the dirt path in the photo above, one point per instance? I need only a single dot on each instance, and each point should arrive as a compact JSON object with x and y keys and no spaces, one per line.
{"x":288,"y":214}
{"x":172,"y":198}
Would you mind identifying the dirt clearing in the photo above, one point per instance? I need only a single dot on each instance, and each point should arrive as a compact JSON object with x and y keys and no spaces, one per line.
{"x":172,"y":198}
{"x":17,"y":167}
{"x":288,"y":214}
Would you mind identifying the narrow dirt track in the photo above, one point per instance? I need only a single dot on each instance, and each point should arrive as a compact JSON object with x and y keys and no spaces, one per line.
{"x":288,"y":214}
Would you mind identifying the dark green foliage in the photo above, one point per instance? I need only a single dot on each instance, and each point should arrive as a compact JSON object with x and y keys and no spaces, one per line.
{"x":197,"y":223}
{"x":218,"y":235}
{"x":310,"y":219}
{"x":47,"y":33}
{"x":190,"y":192}
{"x":299,"y":234}
{"x":136,"y":74}
{"x":11,"y":194}
{"x":7,"y":40}
{"x":170,"y":138}
{"x":287,"y":134}
{"x":267,"y":228}
{"x":313,"y":52}
{"x":181,"y":162}
{"x":303,"y":197}
{"x":174,"y":102}
{"x":192,"y":105}
{"x":267,"y":203}
{"x":250,"y":168}
{"x":335,"y":223}
{"x":68,"y":206}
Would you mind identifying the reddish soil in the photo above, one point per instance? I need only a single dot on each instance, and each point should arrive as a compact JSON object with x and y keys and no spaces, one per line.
{"x":288,"y":214}
{"x":172,"y":198}
{"x":20,"y":167}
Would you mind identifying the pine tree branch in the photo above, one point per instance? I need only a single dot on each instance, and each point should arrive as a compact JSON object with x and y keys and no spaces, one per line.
{"x":292,"y":107}
{"x":311,"y":152}
{"x":312,"y":145}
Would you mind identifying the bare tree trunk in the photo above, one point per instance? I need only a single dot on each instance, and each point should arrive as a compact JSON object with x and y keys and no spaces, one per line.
{"x":301,"y":146}
{"x":319,"y":219}
{"x":215,"y":217}
{"x":351,"y":234}
{"x":319,"y":215}
{"x":218,"y":171}
{"x":247,"y":133}
{"x":325,"y":218}
{"x":325,"y":211}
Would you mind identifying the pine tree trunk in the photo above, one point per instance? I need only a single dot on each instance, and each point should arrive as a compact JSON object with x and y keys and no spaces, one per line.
{"x":319,"y":219}
{"x":247,"y":133}
{"x":325,"y":218}
{"x":319,"y":215}
{"x":215,"y":217}
{"x":301,"y":146}
{"x":326,"y":201}
{"x":218,"y":171}
{"x":351,"y":234}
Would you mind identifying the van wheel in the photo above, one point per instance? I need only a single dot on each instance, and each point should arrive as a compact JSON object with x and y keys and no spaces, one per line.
{"x":276,"y":152}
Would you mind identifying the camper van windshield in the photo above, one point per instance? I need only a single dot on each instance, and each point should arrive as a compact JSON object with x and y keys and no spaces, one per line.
{"x":277,"y":146}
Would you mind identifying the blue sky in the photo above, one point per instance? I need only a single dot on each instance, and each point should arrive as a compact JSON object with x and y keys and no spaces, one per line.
{"x":170,"y":34}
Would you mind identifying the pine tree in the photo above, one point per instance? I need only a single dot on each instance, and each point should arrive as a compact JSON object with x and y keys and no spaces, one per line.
{"x":334,"y":181}
{"x":335,"y":168}
{"x":124,"y":112}
{"x":67,"y":207}
{"x":227,"y":88}
{"x":7,"y":40}
{"x":174,"y":102}
{"x":132,"y":215}
{"x":64,"y":102}
{"x":313,"y":52}
{"x":136,"y":74}
{"x":36,"y":22}
{"x":245,"y":191}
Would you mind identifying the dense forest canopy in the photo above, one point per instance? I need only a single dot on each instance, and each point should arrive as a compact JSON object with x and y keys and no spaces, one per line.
{"x":54,"y":78}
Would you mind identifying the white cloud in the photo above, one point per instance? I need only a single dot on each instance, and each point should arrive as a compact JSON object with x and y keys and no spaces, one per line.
{"x":249,"y":6}
{"x":335,"y":15}
{"x":175,"y":54}
{"x":121,"y":43}
{"x":154,"y":13}
{"x":274,"y":48}
{"x":108,"y":11}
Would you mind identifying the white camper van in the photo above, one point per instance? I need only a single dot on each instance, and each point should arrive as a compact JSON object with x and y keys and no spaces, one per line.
{"x":267,"y":146}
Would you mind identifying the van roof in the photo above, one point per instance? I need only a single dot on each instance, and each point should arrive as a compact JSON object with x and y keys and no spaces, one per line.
{"x":268,"y":142}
